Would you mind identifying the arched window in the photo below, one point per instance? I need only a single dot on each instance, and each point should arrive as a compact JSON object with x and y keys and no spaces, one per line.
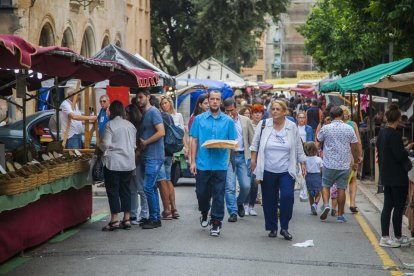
{"x":67,"y":40}
{"x":47,"y":37}
{"x":105,"y":42}
{"x":88,"y":43}
{"x":118,"y":43}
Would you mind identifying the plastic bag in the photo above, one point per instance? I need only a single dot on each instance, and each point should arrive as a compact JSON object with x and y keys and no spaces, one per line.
{"x":303,"y":194}
{"x":97,"y":169}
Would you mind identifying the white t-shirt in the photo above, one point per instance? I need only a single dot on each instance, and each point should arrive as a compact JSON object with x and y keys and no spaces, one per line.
{"x":178,"y":120}
{"x":313,"y":164}
{"x":75,"y":126}
{"x":277,"y":151}
{"x":302,"y":133}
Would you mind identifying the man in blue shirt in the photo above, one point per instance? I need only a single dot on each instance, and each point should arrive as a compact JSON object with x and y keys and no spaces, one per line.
{"x":151,"y":134}
{"x":102,"y":116}
{"x":210,"y":165}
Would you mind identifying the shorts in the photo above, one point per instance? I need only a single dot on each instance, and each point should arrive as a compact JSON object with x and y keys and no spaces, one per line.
{"x":332,"y":176}
{"x":165,"y":170}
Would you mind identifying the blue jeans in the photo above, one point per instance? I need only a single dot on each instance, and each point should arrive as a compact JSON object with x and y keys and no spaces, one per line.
{"x":150,"y":169}
{"x":210,"y":184}
{"x":74,"y":142}
{"x":242,"y":172}
{"x":272,"y":183}
{"x":137,"y":188}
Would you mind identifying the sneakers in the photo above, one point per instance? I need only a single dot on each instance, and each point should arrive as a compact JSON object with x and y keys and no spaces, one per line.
{"x":333,"y":213}
{"x":246,"y":210}
{"x":143,"y":221}
{"x":240,"y":210}
{"x":389,"y":242}
{"x":325,"y":212}
{"x":215,"y":230}
{"x":404,"y":240}
{"x":232,"y":218}
{"x":252,"y":212}
{"x":204,"y":219}
{"x":151,"y":224}
{"x":313,"y":209}
{"x":341,"y":219}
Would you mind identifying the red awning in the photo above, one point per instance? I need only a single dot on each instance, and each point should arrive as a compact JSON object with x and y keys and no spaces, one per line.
{"x":308,"y":91}
{"x":53,"y":61}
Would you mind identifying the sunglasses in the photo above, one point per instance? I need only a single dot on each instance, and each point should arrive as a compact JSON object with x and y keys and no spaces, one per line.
{"x":104,"y":101}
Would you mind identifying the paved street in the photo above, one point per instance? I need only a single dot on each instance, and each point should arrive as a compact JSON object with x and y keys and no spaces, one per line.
{"x":182,"y":247}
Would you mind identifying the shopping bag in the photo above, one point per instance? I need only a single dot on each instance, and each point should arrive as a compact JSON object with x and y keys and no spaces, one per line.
{"x":303,"y":194}
{"x":97,"y":169}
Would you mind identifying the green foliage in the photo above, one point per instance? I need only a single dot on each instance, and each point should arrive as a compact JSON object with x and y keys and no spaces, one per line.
{"x":185,"y":32}
{"x":345,"y":36}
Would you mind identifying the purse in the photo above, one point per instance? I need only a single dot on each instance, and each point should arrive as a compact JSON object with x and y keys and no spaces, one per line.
{"x":407,"y":165}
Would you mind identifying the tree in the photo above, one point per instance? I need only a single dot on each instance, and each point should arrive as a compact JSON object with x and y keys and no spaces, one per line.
{"x":346,"y":36}
{"x":185,"y":32}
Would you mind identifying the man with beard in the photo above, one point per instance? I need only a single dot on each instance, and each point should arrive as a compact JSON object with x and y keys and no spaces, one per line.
{"x":209,"y":165}
{"x":151,"y":134}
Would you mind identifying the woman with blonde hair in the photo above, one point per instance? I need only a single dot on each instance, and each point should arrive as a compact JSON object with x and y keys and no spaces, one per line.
{"x":276,"y":152}
{"x":353,"y":182}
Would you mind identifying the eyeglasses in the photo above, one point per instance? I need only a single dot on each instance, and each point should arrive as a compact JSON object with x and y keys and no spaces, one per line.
{"x":103,"y":101}
{"x":301,"y":117}
{"x":229,"y":110}
{"x":280,"y":139}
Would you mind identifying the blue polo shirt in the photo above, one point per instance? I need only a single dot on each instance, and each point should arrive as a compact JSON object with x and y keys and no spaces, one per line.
{"x":206,"y":127}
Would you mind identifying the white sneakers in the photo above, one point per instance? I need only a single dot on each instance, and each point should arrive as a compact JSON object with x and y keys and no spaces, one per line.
{"x":394,"y":242}
{"x":249,"y":211}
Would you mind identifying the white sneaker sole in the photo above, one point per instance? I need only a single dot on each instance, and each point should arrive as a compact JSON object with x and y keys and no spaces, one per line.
{"x":325,"y":213}
{"x":388,"y":245}
{"x":214,"y":234}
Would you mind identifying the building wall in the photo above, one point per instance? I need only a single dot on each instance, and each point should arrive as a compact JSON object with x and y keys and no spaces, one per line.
{"x":85,"y":30}
{"x":257,"y":72}
{"x":292,"y":43}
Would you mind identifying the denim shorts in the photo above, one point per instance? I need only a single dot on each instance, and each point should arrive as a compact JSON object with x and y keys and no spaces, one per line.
{"x":165,"y":170}
{"x":332,"y":176}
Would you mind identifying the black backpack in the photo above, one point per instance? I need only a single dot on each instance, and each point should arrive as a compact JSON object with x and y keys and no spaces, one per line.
{"x":173,"y":139}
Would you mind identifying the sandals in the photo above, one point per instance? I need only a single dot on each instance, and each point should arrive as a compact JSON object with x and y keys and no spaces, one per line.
{"x":353,"y":209}
{"x":166,"y":215}
{"x":125,"y":224}
{"x":175,"y":214}
{"x":111,"y":226}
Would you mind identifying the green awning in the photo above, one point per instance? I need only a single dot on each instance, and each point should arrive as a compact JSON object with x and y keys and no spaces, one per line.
{"x":356,"y":81}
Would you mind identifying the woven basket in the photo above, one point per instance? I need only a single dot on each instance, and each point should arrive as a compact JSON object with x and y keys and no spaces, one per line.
{"x":30,"y":180}
{"x":41,"y":172}
{"x":11,"y":184}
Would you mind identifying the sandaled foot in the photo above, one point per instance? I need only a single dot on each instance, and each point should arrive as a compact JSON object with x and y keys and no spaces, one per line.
{"x":111,"y":226}
{"x":166,"y":215}
{"x":125,"y":224}
{"x":353,"y":209}
{"x":175,"y":214}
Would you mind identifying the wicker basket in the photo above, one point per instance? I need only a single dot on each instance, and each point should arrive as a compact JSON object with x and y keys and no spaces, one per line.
{"x":41,"y":172}
{"x":11,"y":184}
{"x":30,"y":180}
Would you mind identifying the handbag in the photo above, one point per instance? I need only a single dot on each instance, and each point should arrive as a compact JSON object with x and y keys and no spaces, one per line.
{"x":260,"y":138}
{"x":97,"y":169}
{"x":407,"y":165}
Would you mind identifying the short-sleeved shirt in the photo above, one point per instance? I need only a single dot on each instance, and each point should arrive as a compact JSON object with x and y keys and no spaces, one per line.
{"x":337,"y":137}
{"x":75,"y":126}
{"x":313,"y":164}
{"x":151,"y":118}
{"x":277,"y":152}
{"x":206,"y":127}
{"x":102,"y":120}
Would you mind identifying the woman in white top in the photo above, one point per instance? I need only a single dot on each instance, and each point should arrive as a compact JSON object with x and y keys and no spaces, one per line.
{"x":276,"y":153}
{"x":118,"y":144}
{"x":305,"y":131}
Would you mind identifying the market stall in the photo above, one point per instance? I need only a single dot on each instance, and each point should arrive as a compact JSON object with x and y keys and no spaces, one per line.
{"x":40,"y":199}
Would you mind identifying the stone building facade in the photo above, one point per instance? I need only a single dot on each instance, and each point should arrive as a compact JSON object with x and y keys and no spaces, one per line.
{"x":86,"y":26}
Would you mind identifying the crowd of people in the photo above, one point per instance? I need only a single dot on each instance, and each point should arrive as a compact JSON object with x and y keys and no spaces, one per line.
{"x":279,"y":141}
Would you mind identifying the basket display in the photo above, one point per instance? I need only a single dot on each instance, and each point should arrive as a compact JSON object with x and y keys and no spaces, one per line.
{"x":11,"y":184}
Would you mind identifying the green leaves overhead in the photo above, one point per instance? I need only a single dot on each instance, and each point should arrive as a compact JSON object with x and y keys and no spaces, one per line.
{"x":185,"y":32}
{"x":346,"y":36}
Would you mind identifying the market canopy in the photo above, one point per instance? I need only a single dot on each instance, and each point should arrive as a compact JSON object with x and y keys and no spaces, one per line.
{"x":53,"y":61}
{"x":114,"y":53}
{"x":357,"y":80}
{"x":308,"y":92}
{"x":401,"y":83}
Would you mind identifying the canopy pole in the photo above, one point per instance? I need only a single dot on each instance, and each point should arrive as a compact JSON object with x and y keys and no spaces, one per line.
{"x":359,"y":107}
{"x":371,"y":136}
{"x":352,"y":107}
{"x":56,"y":103}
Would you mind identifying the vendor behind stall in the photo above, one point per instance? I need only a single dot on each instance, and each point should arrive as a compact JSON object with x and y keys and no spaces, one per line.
{"x":72,"y":116}
{"x":103,"y":116}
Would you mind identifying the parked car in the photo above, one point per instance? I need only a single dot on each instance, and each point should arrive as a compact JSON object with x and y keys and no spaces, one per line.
{"x":12,"y":134}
